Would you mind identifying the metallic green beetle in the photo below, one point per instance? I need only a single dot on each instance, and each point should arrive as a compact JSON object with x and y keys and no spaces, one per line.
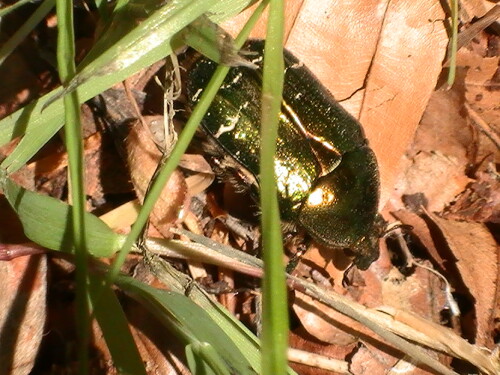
{"x":327,"y":176}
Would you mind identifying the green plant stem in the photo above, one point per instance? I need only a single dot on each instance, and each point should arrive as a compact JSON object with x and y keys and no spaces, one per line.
{"x":74,"y":145}
{"x":179,"y":150}
{"x":275,"y":308}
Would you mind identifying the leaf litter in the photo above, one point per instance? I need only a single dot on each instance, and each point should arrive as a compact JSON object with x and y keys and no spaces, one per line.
{"x":443,"y":182}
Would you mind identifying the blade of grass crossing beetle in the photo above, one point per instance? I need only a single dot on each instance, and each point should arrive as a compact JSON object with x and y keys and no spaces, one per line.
{"x":274,"y":340}
{"x":211,"y":40}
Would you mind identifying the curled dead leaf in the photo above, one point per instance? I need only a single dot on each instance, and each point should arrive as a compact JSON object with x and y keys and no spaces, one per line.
{"x":202,"y":176}
{"x":476,"y":258}
{"x":480,"y":202}
{"x":143,"y":158}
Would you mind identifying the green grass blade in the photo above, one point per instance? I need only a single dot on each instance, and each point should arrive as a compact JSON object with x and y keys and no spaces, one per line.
{"x":275,"y":307}
{"x":241,"y":336}
{"x":40,"y":125}
{"x":46,"y":221}
{"x":74,"y":146}
{"x":195,"y":363}
{"x":211,"y":40}
{"x":148,"y":36}
{"x":36,"y":137}
{"x":16,"y":39}
{"x":207,"y":353}
{"x":187,"y":321}
{"x":115,"y":329}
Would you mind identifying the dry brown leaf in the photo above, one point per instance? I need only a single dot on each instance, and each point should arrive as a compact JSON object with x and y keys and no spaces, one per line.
{"x":444,"y":127}
{"x":438,"y":177}
{"x":104,"y":172}
{"x":482,"y":88}
{"x":480,"y":202}
{"x":439,"y":155}
{"x":199,"y":182}
{"x":480,"y":59}
{"x":475,"y":28}
{"x":22,"y":312}
{"x":195,"y":163}
{"x":419,"y":293}
{"x":22,"y":296}
{"x":143,"y":157}
{"x":476,"y":254}
{"x":121,"y":218}
{"x":204,"y":176}
{"x":142,"y":78}
{"x":325,"y":324}
{"x":483,"y":95}
{"x":23,"y":77}
{"x":470,"y":9}
{"x":380,"y":58}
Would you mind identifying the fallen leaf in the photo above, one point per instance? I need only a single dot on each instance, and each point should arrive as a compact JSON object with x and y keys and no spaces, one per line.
{"x":22,"y":312}
{"x":481,"y":84}
{"x":476,"y":254}
{"x":440,"y":178}
{"x":203,"y":175}
{"x":367,"y":360}
{"x":143,"y":158}
{"x":474,"y":9}
{"x":445,"y":131}
{"x":480,"y":202}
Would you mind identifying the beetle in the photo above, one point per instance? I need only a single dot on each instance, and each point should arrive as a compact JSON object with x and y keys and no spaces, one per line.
{"x":327,"y":176}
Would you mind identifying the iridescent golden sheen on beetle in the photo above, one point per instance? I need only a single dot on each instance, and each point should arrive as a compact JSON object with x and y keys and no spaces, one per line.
{"x":327,"y":176}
